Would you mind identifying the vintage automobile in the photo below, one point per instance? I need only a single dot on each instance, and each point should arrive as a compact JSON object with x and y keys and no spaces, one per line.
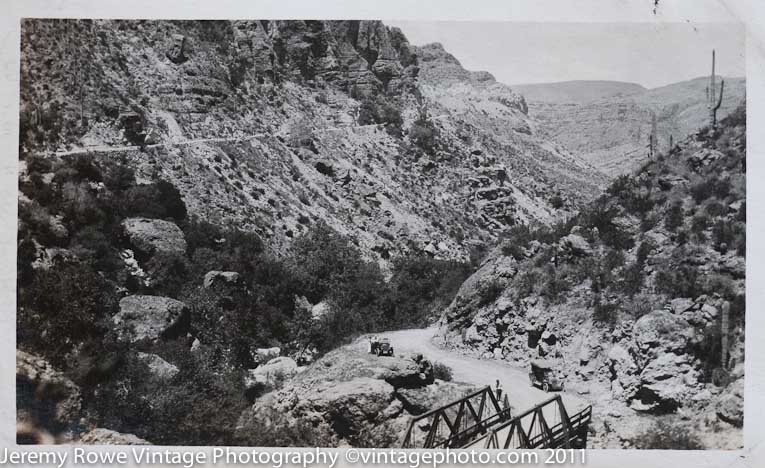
{"x":544,"y":376}
{"x":380,"y":346}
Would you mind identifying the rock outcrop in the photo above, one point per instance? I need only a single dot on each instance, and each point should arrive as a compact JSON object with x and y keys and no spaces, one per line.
{"x":150,"y":318}
{"x":350,"y":396}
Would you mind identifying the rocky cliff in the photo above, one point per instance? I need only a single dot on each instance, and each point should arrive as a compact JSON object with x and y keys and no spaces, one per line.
{"x":274,"y":125}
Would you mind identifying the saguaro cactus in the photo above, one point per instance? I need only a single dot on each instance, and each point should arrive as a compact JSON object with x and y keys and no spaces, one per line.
{"x":652,"y":138}
{"x":713,"y":100}
{"x":724,"y":331}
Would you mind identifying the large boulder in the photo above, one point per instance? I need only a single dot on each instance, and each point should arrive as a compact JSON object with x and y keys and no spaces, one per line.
{"x":221,"y":278}
{"x":272,"y":373}
{"x":177,"y":50}
{"x":150,"y":318}
{"x":350,"y":404}
{"x":730,"y":404}
{"x":159,"y":368}
{"x":667,"y":382}
{"x":661,"y":331}
{"x":575,"y":244}
{"x":45,"y":398}
{"x":150,"y":236}
{"x":101,"y":436}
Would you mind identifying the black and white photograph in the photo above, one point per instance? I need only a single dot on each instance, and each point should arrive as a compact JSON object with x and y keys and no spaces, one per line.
{"x":370,"y":233}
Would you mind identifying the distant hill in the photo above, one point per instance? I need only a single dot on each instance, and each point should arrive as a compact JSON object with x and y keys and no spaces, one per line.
{"x":612,"y":132}
{"x":576,"y":91}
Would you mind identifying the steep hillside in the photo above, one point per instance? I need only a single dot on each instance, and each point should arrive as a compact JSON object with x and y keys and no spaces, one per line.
{"x":274,"y":125}
{"x":612,"y":133}
{"x":578,"y":91}
{"x":639,"y":298}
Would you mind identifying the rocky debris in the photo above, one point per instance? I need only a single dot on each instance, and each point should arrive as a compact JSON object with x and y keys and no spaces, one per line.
{"x":420,"y":400}
{"x":150,"y":236}
{"x":159,"y":368}
{"x":45,"y":398}
{"x":730,"y":404}
{"x":225,"y":278}
{"x":101,"y":436}
{"x":704,"y":157}
{"x":150,"y":318}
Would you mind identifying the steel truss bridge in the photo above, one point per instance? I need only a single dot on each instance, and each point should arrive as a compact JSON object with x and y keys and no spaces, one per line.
{"x":479,"y":419}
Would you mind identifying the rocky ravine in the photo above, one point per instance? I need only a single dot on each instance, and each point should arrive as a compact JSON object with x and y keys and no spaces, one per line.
{"x":631,"y":297}
{"x":298,"y":121}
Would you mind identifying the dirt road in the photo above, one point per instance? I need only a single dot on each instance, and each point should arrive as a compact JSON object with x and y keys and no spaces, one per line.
{"x":514,"y":380}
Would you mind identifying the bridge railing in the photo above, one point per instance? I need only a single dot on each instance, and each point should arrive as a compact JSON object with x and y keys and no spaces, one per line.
{"x":532,"y":429}
{"x":458,"y":422}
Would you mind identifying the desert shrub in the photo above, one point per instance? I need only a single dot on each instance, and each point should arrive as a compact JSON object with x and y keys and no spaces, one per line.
{"x":711,"y":186}
{"x":601,"y":215}
{"x":557,"y":202}
{"x":668,"y":435}
{"x":727,"y":235}
{"x":282,"y":431}
{"x":678,"y":279}
{"x":94,"y":247}
{"x":423,"y":133}
{"x":442,"y":371}
{"x":197,"y":407}
{"x":556,"y":286}
{"x":630,"y":196}
{"x":80,"y":206}
{"x":526,"y":283}
{"x":510,"y":249}
{"x":378,"y":110}
{"x":673,"y":218}
{"x":605,"y":312}
{"x":168,"y":272}
{"x":632,"y":279}
{"x":643,"y":251}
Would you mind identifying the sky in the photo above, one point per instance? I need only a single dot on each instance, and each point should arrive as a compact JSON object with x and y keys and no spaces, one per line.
{"x":649,"y":54}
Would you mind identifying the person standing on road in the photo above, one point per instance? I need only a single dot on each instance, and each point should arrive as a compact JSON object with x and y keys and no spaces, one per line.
{"x":498,"y":390}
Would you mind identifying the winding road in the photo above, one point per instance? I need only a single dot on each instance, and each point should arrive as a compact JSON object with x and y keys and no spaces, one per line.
{"x":514,"y":380}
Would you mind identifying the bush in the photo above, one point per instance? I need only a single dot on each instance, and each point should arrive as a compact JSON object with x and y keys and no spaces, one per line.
{"x":490,"y":292}
{"x":159,"y":200}
{"x":423,"y":133}
{"x":667,"y":435}
{"x":442,"y":372}
{"x":62,"y":307}
{"x":673,"y":218}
